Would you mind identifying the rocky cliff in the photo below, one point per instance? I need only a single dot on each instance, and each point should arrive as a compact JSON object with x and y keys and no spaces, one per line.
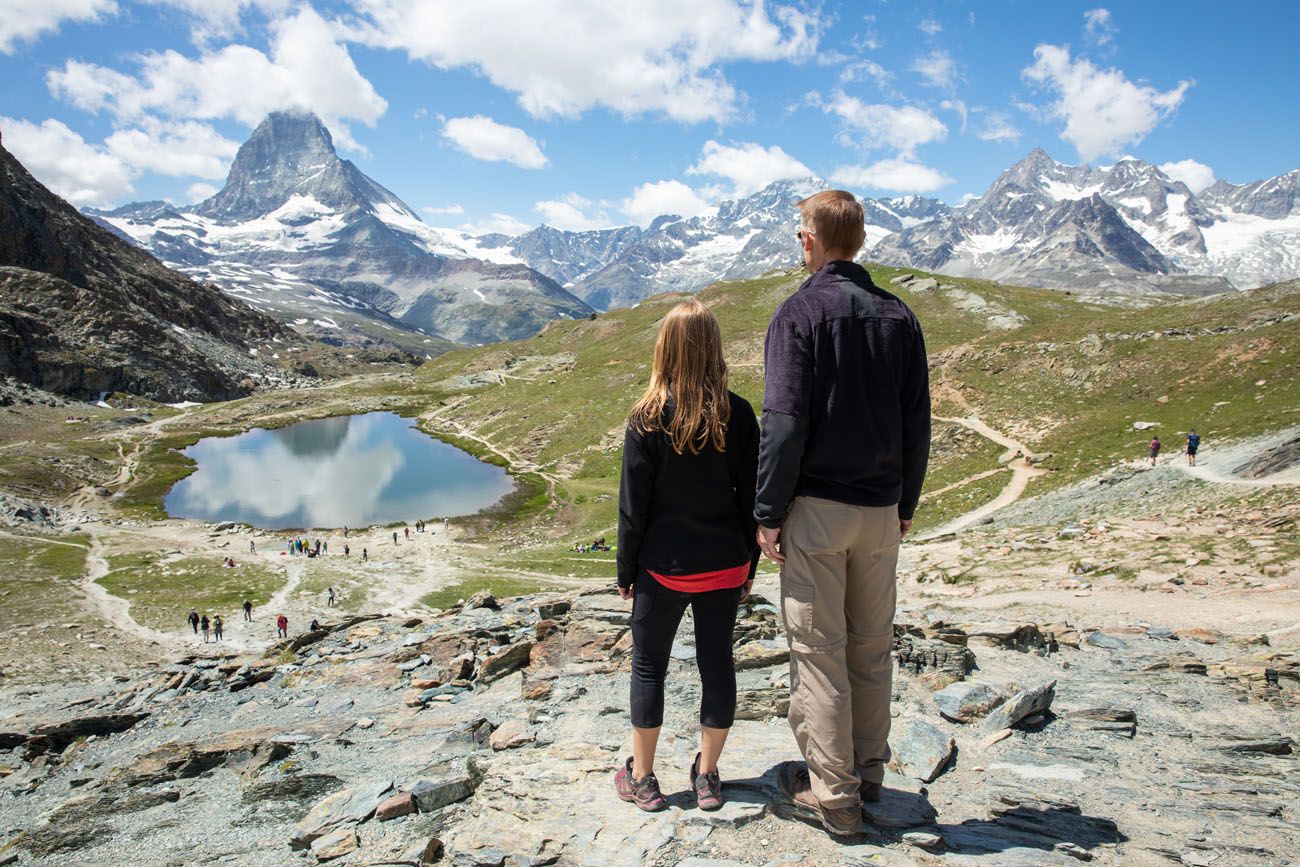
{"x":83,"y":311}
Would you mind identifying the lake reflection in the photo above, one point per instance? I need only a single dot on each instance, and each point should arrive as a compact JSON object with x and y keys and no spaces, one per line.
{"x":350,"y":470}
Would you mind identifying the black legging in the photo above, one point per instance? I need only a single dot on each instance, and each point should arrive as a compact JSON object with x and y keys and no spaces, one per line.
{"x":656,"y":613}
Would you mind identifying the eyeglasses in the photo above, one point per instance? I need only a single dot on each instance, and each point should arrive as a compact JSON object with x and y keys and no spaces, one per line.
{"x":801,"y":231}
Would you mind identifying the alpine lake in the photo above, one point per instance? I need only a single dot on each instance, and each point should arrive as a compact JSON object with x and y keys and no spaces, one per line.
{"x":346,"y":471}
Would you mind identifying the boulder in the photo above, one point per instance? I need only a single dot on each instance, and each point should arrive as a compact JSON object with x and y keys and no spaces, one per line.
{"x":965,"y":701}
{"x":761,"y":654}
{"x":401,"y":804}
{"x":509,"y":660}
{"x":510,"y":734}
{"x":1035,"y":699}
{"x":335,"y":844}
{"x":349,"y":806}
{"x":445,"y":784}
{"x":921,"y":750}
{"x":481,"y":599}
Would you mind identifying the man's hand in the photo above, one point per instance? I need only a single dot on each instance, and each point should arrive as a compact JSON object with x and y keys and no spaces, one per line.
{"x":626,"y":593}
{"x":904,"y":527}
{"x":745,"y":589}
{"x":769,"y":542}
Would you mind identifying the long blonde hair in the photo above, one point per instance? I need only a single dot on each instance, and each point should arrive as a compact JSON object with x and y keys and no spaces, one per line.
{"x":689,"y":369}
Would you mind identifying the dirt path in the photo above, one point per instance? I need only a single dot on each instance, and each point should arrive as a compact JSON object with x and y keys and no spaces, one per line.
{"x":113,"y":609}
{"x":437,"y":420}
{"x":1209,"y":474}
{"x":1021,"y":472}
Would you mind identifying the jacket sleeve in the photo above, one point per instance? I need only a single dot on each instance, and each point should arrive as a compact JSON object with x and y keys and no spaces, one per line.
{"x":635,"y":492}
{"x":746,"y":477}
{"x":914,"y":403}
{"x":787,"y":391}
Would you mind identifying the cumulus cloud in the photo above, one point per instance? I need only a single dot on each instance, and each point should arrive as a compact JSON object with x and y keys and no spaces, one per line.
{"x":198,"y":192}
{"x":26,"y":20}
{"x":179,"y":149}
{"x":748,"y":166}
{"x":1103,"y":111}
{"x":307,"y":68}
{"x":898,"y":175}
{"x":937,"y":69}
{"x":569,"y":212}
{"x":865,"y":70}
{"x":1098,"y":27}
{"x":60,"y":158}
{"x":654,"y":199}
{"x":504,"y":224}
{"x":1197,"y":176}
{"x":438,"y":210}
{"x":214,"y":19}
{"x":485,"y":139}
{"x":902,"y":127}
{"x":636,"y":58}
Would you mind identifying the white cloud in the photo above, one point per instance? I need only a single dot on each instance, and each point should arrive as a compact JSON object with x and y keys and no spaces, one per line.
{"x":214,"y":19}
{"x":899,"y":175}
{"x":650,"y":200}
{"x":306,"y":69}
{"x":505,"y":224}
{"x":569,"y":213}
{"x":748,"y":166}
{"x":937,"y":69}
{"x":1197,"y":176}
{"x":564,"y":57}
{"x":930,"y":27}
{"x":179,"y":149}
{"x":485,"y":139}
{"x":25,"y":20}
{"x":997,"y":126}
{"x":958,"y":106}
{"x":1103,"y":111}
{"x":62,"y":160}
{"x":1098,"y":28}
{"x":437,"y":210}
{"x":902,"y":127}
{"x":863,"y":70}
{"x":199,"y":192}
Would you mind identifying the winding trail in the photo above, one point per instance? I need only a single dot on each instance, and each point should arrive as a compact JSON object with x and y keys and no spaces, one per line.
{"x":1014,"y":459}
{"x":114,"y":609}
{"x":1209,"y":474}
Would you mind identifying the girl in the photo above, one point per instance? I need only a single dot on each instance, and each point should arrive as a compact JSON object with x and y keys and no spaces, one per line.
{"x":686,"y":537}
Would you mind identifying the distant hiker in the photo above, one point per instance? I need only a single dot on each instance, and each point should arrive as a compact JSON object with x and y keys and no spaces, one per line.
{"x":194,"y":620}
{"x":315,"y":625}
{"x":281,"y":627}
{"x":205,"y":624}
{"x":345,"y":531}
{"x":325,"y":546}
{"x":248,"y":610}
{"x":252,"y":547}
{"x":846,"y":439}
{"x":330,"y":600}
{"x":347,"y":551}
{"x":365,"y":555}
{"x":217,"y":626}
{"x":318,"y":547}
{"x":1155,"y":449}
{"x":394,"y":537}
{"x":407,"y":531}
{"x":1193,"y":444}
{"x":686,"y":540}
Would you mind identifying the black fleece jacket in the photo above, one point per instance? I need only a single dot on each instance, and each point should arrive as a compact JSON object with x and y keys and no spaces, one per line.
{"x":846,"y":407}
{"x":685,"y":514}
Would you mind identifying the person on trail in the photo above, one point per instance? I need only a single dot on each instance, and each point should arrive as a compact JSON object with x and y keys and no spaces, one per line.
{"x":248,"y":610}
{"x":252,"y":547}
{"x":194,"y":620}
{"x":325,"y":546}
{"x":394,"y":537}
{"x":205,"y":624}
{"x":365,"y":555}
{"x":347,"y":550}
{"x":281,"y":626}
{"x":845,"y":444}
{"x":1154,"y":445}
{"x":315,"y":625}
{"x":1193,"y":444}
{"x":686,"y":539}
{"x":345,"y":531}
{"x":330,"y":597}
{"x":217,"y":626}
{"x":407,"y":531}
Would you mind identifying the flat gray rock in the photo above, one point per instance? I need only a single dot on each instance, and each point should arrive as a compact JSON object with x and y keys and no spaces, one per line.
{"x":921,"y":750}
{"x":966,"y":701}
{"x":1035,"y":699}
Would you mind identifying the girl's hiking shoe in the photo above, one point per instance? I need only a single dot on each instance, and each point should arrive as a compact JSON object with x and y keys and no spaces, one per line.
{"x":643,"y":792}
{"x":707,"y":787}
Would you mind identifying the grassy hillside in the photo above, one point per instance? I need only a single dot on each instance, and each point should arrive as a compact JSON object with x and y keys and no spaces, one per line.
{"x":1063,"y":373}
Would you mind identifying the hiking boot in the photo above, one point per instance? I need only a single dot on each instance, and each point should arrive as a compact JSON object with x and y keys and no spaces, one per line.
{"x":643,"y":792}
{"x":707,"y":787}
{"x":869,"y":792}
{"x":795,"y":785}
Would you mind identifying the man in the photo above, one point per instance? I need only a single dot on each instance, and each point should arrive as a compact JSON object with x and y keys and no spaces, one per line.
{"x":194,"y":620}
{"x":1193,"y":445}
{"x":248,"y":610}
{"x":1154,"y":446}
{"x":846,"y":439}
{"x":281,"y":626}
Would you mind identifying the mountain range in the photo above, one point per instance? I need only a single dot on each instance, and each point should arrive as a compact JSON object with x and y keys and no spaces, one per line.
{"x":83,"y":312}
{"x":305,"y":235}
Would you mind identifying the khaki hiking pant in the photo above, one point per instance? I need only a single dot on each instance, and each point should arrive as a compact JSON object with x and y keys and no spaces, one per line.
{"x":837,"y":599}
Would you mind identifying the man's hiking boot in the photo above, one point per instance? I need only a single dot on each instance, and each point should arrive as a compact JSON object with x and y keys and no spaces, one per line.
{"x":707,"y":787}
{"x":869,"y":792}
{"x":643,"y":792}
{"x":839,"y":821}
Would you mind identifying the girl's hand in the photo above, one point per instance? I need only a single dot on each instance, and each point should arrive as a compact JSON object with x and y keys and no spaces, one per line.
{"x":626,"y":592}
{"x":745,"y":589}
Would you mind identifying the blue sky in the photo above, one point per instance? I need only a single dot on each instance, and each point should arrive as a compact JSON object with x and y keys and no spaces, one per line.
{"x":490,"y":114}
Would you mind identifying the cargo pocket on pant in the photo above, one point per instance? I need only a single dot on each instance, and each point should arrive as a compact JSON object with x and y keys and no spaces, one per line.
{"x":797,"y":599}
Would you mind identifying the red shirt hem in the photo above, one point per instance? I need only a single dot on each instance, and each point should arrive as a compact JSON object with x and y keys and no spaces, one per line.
{"x":702,"y":582}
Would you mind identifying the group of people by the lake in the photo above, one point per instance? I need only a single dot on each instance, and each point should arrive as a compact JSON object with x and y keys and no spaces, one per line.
{"x":299,"y":545}
{"x":827,"y":489}
{"x":1193,"y":446}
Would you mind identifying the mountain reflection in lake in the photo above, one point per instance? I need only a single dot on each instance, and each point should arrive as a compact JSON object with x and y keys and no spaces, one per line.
{"x":350,"y":470}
